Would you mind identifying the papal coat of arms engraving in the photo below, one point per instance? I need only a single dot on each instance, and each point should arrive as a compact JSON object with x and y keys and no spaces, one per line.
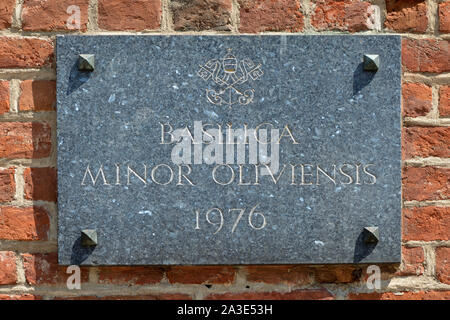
{"x":228,"y":76}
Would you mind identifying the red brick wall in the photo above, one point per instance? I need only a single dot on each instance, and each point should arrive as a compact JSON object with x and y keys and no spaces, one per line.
{"x":28,"y":213}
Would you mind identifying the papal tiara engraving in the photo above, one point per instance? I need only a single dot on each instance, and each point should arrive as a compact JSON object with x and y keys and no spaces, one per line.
{"x":228,"y":76}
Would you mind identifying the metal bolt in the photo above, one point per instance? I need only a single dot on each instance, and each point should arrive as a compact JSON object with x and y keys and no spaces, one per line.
{"x":89,"y":237}
{"x":371,"y":234}
{"x":86,"y":62}
{"x":371,"y":62}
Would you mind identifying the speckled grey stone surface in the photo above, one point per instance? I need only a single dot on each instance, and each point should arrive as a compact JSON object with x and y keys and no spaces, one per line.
{"x":338,"y":113}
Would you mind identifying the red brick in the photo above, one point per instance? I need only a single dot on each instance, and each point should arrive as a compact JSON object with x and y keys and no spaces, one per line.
{"x":444,"y":101}
{"x":427,"y":183}
{"x":163,"y":296}
{"x":24,"y":140}
{"x":388,"y":271}
{"x":419,"y":295}
{"x":426,"y":142}
{"x":51,"y":15}
{"x":286,"y":274}
{"x":426,"y":55}
{"x":444,"y":17}
{"x":30,"y":223}
{"x":19,"y":297}
{"x":406,"y":15}
{"x":426,"y":224}
{"x":131,"y":275}
{"x":129,"y":14}
{"x":44,"y":269}
{"x":412,"y":262}
{"x":4,"y":97}
{"x":201,"y":15}
{"x":40,"y":184}
{"x":6,"y":12}
{"x":416,"y":99}
{"x":346,"y":15}
{"x":37,"y":95}
{"x":313,"y":294}
{"x":443,"y":264}
{"x":7,"y":184}
{"x":8,"y":273}
{"x":25,"y":52}
{"x":201,"y":274}
{"x":270,"y":15}
{"x":338,"y":274}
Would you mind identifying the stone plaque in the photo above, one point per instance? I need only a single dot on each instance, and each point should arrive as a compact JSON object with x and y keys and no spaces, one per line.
{"x":220,"y":149}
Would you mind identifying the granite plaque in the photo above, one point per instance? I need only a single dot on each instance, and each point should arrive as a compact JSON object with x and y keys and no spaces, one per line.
{"x":217,"y":149}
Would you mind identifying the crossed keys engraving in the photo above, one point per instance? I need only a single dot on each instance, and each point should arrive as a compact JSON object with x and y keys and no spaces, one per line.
{"x":229,"y":73}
